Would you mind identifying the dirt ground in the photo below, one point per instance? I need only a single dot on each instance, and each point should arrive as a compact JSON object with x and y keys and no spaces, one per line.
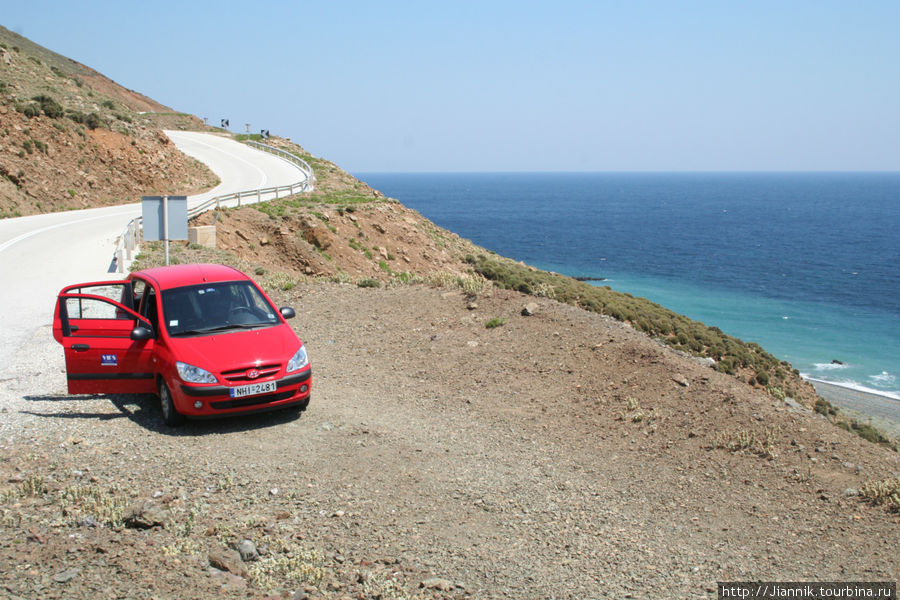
{"x":559,"y":455}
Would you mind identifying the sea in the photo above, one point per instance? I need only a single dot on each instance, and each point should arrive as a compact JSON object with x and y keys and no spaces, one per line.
{"x":805,"y":264}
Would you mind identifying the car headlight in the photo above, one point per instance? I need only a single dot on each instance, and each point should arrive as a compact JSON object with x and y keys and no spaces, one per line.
{"x":299,"y":360}
{"x":193,"y":374}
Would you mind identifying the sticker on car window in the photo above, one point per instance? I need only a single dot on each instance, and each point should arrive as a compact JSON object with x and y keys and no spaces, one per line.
{"x":173,"y":323}
{"x":271,"y":317}
{"x":109,"y":360}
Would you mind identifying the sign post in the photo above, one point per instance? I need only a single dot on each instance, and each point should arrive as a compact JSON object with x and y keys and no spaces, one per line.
{"x":165,"y":218}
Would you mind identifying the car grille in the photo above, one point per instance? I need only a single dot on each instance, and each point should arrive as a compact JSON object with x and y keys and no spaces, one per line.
{"x":252,"y":400}
{"x":236,"y":375}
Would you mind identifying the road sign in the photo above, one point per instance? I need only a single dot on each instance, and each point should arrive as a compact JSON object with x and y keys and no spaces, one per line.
{"x":164,"y":218}
{"x":162,"y":215}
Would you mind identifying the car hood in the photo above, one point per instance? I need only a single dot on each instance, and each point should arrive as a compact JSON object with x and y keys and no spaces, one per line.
{"x":240,"y":349}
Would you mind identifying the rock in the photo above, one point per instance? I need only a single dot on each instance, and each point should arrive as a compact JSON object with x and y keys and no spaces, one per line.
{"x":378,"y":228}
{"x":67,"y":575}
{"x":147,"y":515}
{"x":315,"y":235}
{"x":436,"y":583}
{"x":263,"y":241}
{"x":529,"y":309}
{"x":851,"y":492}
{"x":226,"y":559}
{"x":681,"y":380}
{"x":247,"y":550}
{"x":472,"y":306}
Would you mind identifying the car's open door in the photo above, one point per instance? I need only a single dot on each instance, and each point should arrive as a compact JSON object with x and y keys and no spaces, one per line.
{"x":108,"y":346}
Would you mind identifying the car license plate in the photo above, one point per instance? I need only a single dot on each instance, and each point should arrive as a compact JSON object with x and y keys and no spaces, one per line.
{"x":263,"y":387}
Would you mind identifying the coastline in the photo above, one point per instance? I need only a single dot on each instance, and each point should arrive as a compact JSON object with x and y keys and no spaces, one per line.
{"x":881,"y":411}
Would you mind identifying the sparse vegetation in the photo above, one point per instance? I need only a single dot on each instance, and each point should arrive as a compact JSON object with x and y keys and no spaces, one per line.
{"x":730,"y":353}
{"x":885,"y":492}
{"x":743,"y":440}
{"x":49,"y":106}
{"x":495,"y":322}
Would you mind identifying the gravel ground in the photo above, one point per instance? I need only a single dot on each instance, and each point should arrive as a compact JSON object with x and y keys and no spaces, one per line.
{"x":560,"y":455}
{"x":880,"y":411}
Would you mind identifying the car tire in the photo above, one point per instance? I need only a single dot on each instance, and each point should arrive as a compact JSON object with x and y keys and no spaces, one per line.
{"x":301,"y":406}
{"x":170,"y":414}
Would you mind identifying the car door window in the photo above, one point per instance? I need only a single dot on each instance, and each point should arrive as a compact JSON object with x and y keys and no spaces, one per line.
{"x":96,"y":308}
{"x":138,"y":287}
{"x":149,"y":308}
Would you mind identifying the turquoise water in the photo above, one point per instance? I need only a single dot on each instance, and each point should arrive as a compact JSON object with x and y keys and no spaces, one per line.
{"x":809,"y":335}
{"x":805,"y":264}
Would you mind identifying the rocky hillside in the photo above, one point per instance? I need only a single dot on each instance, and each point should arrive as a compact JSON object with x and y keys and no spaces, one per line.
{"x":72,"y":138}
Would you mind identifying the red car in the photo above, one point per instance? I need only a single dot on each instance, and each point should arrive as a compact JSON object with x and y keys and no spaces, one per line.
{"x":204,"y":338}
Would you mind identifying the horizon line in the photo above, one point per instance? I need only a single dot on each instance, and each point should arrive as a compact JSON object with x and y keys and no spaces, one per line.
{"x":638,"y":172}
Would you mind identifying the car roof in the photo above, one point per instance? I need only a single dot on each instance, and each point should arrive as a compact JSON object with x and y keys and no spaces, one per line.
{"x":180,"y":275}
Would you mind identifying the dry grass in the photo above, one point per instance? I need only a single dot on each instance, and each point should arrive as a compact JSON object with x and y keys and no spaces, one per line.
{"x":762,"y":444}
{"x":886,"y":492}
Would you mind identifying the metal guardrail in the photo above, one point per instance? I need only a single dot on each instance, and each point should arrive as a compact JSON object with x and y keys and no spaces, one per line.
{"x":130,"y":238}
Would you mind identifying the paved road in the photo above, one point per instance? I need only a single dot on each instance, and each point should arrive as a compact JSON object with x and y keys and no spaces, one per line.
{"x":42,"y":253}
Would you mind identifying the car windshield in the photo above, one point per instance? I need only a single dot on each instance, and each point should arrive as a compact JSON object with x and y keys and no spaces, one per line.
{"x":209,"y":307}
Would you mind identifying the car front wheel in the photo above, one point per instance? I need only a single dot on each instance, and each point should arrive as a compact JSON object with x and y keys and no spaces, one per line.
{"x":171,"y":416}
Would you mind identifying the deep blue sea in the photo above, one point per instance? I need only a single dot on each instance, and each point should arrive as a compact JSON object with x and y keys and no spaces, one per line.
{"x":805,"y":264}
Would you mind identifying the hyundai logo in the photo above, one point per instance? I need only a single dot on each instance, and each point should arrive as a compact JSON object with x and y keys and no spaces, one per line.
{"x":252,"y":374}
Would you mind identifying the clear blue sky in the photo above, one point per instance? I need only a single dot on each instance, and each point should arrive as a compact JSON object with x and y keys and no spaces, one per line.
{"x":514,"y":85}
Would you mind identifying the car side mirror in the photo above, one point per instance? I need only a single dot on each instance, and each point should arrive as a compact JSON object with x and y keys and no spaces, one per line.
{"x":287,"y":312}
{"x":141,"y":333}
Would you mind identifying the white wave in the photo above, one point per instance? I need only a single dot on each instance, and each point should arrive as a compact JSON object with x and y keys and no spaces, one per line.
{"x":852,"y":385}
{"x":829,"y":366}
{"x":883,"y":378}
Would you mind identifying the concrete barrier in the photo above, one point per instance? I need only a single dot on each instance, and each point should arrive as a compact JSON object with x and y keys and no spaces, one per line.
{"x":204,"y":235}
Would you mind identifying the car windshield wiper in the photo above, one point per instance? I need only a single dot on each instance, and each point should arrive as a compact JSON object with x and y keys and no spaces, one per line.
{"x":221,"y":328}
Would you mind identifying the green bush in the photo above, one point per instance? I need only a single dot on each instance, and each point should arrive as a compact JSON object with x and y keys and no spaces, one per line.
{"x":867,"y":432}
{"x":368,"y":283}
{"x":76,"y":115}
{"x":824,"y":407}
{"x":495,"y":322}
{"x":50,"y":106}
{"x":93,"y":121}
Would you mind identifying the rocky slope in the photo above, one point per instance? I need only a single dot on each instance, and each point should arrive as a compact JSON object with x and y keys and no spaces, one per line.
{"x":71,"y":138}
{"x":560,"y":454}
